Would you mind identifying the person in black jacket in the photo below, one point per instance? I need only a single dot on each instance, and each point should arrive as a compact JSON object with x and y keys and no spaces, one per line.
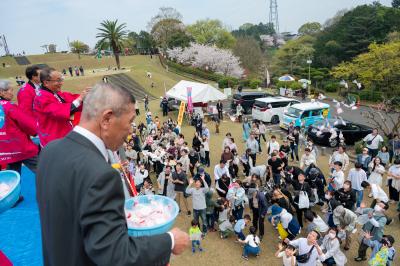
{"x":220,"y":108}
{"x":259,"y":207}
{"x":301,"y":186}
{"x":346,"y":195}
{"x":80,"y":196}
{"x":164,"y":106}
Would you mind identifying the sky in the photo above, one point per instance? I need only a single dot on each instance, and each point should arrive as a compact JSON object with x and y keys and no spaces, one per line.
{"x":28,"y":24}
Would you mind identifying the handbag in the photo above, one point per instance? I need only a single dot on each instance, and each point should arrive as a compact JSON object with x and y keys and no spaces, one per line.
{"x":282,"y":231}
{"x":304,"y":202}
{"x":369,"y":142}
{"x":305,"y":257}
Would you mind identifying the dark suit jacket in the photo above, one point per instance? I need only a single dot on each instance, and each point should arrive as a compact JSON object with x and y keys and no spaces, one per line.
{"x":81,"y":204}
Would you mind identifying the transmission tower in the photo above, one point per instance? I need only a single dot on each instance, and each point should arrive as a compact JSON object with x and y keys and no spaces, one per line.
{"x":3,"y":43}
{"x":273,"y":14}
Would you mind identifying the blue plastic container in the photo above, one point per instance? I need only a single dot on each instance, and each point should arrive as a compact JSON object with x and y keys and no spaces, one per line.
{"x":157,"y":229}
{"x":12,"y":179}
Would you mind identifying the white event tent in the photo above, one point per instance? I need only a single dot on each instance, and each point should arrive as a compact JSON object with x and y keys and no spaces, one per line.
{"x":201,"y":93}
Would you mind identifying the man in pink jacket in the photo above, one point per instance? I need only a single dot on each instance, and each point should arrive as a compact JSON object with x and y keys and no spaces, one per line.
{"x":27,"y":92}
{"x":16,"y":127}
{"x":53,"y":108}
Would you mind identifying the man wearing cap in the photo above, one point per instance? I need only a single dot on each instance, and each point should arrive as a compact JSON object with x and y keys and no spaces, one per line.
{"x":201,"y":172}
{"x":345,"y":220}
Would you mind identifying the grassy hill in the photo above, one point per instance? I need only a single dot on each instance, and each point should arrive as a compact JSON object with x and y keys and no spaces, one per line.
{"x":134,"y":66}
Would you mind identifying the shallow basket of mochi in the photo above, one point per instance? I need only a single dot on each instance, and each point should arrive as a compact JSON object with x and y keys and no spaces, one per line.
{"x":10,"y":189}
{"x":150,"y":215}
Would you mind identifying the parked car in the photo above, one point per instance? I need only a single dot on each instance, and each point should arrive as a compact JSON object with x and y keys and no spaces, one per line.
{"x":305,"y":114}
{"x":247,"y":99}
{"x":270,"y":109}
{"x":352,"y":132}
{"x":173,"y":104}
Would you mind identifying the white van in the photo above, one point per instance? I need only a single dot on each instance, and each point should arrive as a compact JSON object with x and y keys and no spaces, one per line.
{"x":270,"y":109}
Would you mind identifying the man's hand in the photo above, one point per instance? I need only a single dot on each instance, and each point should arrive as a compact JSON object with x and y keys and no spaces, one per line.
{"x":191,"y":181}
{"x":181,"y":240}
{"x":367,"y":235}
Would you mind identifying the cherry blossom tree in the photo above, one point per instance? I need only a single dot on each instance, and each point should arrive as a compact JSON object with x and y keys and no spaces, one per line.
{"x":207,"y":57}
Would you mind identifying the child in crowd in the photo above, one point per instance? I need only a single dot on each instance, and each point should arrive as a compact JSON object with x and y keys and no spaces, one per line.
{"x":316,"y":223}
{"x":383,"y":251}
{"x":287,"y":254}
{"x":195,"y":236}
{"x":147,"y":188}
{"x":226,"y":227}
{"x":131,"y":166}
{"x":240,"y":225}
{"x":211,"y":204}
{"x":252,"y":244}
{"x":337,"y":178}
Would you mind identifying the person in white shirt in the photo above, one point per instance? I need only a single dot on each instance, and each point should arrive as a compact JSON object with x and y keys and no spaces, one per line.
{"x":377,"y":193}
{"x":308,"y":245}
{"x":185,"y":161}
{"x":356,"y":176}
{"x":373,"y":141}
{"x":263,"y":129}
{"x":221,"y":169}
{"x":252,"y":244}
{"x":227,"y":140}
{"x":337,"y":178}
{"x":340,"y":156}
{"x":376,"y":170}
{"x":307,"y":159}
{"x":272,"y":145}
{"x":140,"y":174}
{"x":287,"y":254}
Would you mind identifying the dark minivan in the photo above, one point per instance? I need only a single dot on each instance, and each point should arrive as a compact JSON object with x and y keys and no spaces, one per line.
{"x":247,"y":99}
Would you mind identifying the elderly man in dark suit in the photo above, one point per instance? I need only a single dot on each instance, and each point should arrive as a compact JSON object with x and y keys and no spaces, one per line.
{"x":80,"y":196}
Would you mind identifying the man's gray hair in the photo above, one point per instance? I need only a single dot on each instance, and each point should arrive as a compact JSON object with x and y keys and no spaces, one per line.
{"x":105,"y":96}
{"x":4,"y":84}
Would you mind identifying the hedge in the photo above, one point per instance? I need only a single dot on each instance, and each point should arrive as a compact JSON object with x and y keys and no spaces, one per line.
{"x":195,"y":71}
{"x":227,"y":82}
{"x":255,"y":83}
{"x":368,"y":95}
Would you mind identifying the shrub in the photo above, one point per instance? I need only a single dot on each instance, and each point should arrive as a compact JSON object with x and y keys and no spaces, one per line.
{"x":244,"y":83}
{"x":255,"y":83}
{"x":227,"y":82}
{"x":331,"y":87}
{"x":372,"y":96}
{"x":194,"y":71}
{"x":358,"y":146}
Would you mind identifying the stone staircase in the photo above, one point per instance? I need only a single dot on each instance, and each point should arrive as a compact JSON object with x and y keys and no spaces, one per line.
{"x":124,"y":81}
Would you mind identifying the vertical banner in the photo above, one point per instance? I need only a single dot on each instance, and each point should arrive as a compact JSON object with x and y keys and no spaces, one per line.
{"x":189,"y":99}
{"x":181,"y":113}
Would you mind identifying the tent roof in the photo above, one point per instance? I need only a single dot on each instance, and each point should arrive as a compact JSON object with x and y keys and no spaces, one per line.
{"x":200,"y":92}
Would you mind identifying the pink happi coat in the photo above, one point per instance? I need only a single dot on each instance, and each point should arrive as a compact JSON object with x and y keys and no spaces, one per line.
{"x":53,"y":116}
{"x":25,"y":97}
{"x":16,"y":127}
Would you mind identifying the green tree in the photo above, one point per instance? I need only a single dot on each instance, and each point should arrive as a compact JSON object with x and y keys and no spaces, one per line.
{"x":350,"y":34}
{"x":292,"y":57}
{"x":249,"y":52}
{"x":378,"y":69}
{"x":396,"y":3}
{"x":78,"y":47}
{"x":164,"y":31}
{"x":310,"y":28}
{"x":210,"y":32}
{"x":112,"y":35}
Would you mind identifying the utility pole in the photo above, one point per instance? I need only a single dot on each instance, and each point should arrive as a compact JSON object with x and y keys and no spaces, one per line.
{"x":3,"y":43}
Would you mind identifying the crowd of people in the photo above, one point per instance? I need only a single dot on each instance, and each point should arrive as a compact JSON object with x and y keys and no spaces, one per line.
{"x":285,"y":187}
{"x":245,"y":189}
